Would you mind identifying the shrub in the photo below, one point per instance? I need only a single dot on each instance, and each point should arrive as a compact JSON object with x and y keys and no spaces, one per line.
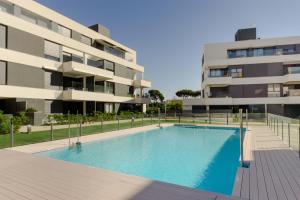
{"x":17,"y":120}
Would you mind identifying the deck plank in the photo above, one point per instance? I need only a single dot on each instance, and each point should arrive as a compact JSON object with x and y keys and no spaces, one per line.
{"x":245,"y":190}
{"x":290,"y":186}
{"x":35,"y":178}
{"x":237,"y":188}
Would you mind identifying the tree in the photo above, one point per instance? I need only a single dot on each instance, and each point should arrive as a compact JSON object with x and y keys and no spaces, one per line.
{"x":174,"y":106}
{"x":196,"y":93}
{"x":156,"y":95}
{"x":187,"y":93}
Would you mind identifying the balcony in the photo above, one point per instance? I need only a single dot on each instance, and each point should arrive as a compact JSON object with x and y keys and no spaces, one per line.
{"x":75,"y":69}
{"x":294,"y":92}
{"x":83,"y":95}
{"x":142,"y":83}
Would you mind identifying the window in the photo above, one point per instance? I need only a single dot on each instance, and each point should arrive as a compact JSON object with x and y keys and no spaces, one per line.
{"x":236,"y":72}
{"x":294,"y":69}
{"x":114,"y":51}
{"x":241,"y":53}
{"x":3,"y":73}
{"x":218,"y":72}
{"x":269,"y":51}
{"x":67,"y":57}
{"x":76,"y":58}
{"x":274,"y":90}
{"x":3,"y":37}
{"x":99,"y":86}
{"x":35,"y":19}
{"x":258,"y":52}
{"x":110,"y":66}
{"x":86,"y":40}
{"x":231,"y":53}
{"x":95,"y":63}
{"x":64,"y":31}
{"x":110,"y":88}
{"x":6,"y":7}
{"x":289,"y":50}
{"x":109,"y":107}
{"x":52,"y":51}
{"x":28,"y":16}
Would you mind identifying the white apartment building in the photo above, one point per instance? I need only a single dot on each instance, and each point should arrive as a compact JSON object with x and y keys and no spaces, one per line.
{"x":261,"y":75}
{"x":55,"y":65}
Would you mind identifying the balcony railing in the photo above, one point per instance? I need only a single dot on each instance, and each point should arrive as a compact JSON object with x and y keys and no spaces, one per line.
{"x":52,"y":26}
{"x":294,"y":70}
{"x":294,"y":92}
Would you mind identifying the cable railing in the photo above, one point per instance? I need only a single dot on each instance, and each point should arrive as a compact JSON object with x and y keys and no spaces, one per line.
{"x":288,"y":129}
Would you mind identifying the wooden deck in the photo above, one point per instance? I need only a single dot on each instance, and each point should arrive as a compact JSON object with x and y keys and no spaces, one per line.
{"x":274,"y":172}
{"x":25,"y":176}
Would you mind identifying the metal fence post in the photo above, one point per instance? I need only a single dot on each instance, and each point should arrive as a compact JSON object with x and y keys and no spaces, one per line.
{"x":101,"y":120}
{"x":227,"y":118}
{"x":159,"y":116}
{"x":51,"y":131}
{"x":142,"y":119}
{"x":277,"y":126}
{"x":241,"y":137}
{"x":11,"y":133}
{"x":247,"y":119}
{"x":299,"y":137}
{"x":289,"y":135}
{"x":132,"y":118}
{"x":118,"y":123}
{"x":151,"y":119}
{"x":69,"y":128}
{"x":209,"y":118}
{"x":282,"y":130}
{"x":179,"y":119}
{"x":193,"y":119}
{"x":80,"y":128}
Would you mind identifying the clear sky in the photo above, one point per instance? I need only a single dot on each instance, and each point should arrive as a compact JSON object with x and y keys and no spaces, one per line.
{"x":168,"y":35}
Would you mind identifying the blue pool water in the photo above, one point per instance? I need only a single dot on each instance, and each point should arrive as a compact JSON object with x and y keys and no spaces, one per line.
{"x":197,"y":157}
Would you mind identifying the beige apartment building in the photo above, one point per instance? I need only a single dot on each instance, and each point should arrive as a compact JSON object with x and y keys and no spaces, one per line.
{"x":261,"y":75}
{"x":55,"y":65}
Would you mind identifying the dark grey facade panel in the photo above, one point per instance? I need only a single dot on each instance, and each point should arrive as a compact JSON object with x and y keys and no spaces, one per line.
{"x":122,"y":90}
{"x":53,"y":106}
{"x":76,"y":36}
{"x":3,"y":73}
{"x":25,"y":76}
{"x":123,"y":71}
{"x":24,"y":42}
{"x":276,"y":109}
{"x":261,"y":70}
{"x":38,"y":104}
{"x":90,"y":83}
{"x":248,"y":91}
{"x":3,"y":34}
{"x":219,"y":92}
{"x":53,"y":80}
{"x":245,"y":34}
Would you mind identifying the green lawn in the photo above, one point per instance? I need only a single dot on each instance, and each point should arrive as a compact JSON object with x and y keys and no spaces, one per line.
{"x":43,"y":136}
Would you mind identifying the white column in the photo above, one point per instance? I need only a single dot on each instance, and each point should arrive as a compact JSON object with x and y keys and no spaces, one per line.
{"x":144,"y":108}
{"x":84,"y":59}
{"x":84,"y":83}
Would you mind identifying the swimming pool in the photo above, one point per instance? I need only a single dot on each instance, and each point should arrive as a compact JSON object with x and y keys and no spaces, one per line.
{"x":198,"y":157}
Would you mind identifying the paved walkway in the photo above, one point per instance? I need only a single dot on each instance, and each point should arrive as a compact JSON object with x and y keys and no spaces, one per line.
{"x":274,"y":172}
